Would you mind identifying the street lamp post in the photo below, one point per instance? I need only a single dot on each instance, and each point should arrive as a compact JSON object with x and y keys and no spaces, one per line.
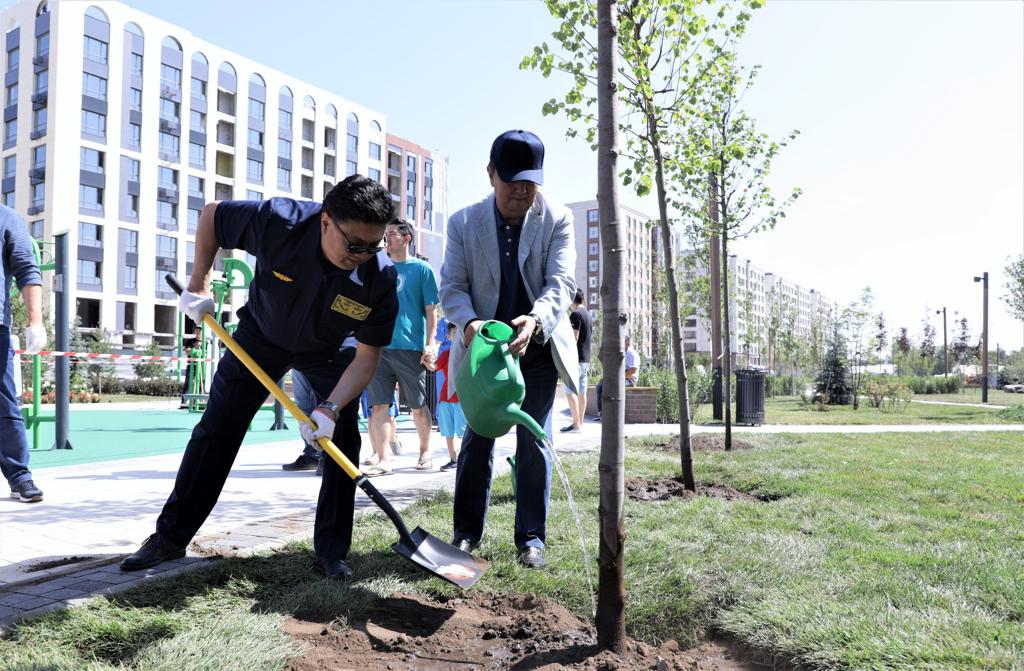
{"x":945,"y":345}
{"x":984,"y":336}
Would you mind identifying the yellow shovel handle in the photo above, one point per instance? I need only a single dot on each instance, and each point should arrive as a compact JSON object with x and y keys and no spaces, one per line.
{"x":325,"y":443}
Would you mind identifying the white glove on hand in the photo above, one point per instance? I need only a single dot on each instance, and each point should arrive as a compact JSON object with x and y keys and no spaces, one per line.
{"x":324,"y":428}
{"x":195,"y":306}
{"x":35,"y":339}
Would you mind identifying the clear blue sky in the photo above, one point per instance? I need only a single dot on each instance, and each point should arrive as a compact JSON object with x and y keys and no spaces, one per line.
{"x":911,"y":155}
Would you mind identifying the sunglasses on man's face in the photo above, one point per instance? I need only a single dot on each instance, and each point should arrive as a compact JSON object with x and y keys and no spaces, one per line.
{"x":358,"y":249}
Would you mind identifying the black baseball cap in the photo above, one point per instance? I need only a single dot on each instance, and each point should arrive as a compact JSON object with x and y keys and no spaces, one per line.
{"x":518,"y":155}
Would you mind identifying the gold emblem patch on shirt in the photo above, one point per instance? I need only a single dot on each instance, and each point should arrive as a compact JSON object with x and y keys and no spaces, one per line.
{"x":350,"y":308}
{"x":282,"y":277}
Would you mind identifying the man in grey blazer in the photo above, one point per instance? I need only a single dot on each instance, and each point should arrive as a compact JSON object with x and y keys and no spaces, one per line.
{"x":511,"y":257}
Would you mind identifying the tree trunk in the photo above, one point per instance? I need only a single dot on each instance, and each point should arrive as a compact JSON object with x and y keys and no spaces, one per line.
{"x":611,"y":594}
{"x":679,"y":358}
{"x":726,"y":340}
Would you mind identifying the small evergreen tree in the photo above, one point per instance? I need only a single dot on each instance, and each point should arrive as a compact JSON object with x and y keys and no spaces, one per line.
{"x":152,"y":369}
{"x":832,"y":386}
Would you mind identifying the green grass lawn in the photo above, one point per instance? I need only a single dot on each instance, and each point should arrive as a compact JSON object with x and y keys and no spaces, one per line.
{"x":791,"y":410}
{"x":882,"y":551}
{"x":972,"y":395}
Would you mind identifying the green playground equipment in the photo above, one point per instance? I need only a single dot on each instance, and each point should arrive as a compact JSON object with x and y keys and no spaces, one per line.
{"x":237,"y":275}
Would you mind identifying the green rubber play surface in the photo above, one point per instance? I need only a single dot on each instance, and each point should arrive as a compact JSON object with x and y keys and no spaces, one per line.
{"x":103,"y":435}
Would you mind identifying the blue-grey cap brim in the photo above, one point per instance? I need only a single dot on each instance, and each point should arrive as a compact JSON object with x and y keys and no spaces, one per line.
{"x":535,"y":176}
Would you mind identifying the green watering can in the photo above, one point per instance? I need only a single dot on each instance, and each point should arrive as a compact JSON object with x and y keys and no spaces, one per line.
{"x":490,"y":384}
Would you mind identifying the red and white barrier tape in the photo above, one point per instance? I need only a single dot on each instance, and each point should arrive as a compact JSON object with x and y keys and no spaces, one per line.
{"x":126,"y":357}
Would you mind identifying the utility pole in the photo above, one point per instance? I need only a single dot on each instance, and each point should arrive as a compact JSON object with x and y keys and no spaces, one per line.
{"x":945,"y":345}
{"x":984,"y":336}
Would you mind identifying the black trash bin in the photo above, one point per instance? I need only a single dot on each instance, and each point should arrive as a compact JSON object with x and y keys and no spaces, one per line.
{"x":750,"y":396}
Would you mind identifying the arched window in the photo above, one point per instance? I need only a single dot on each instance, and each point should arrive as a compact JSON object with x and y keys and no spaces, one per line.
{"x":227,"y":69}
{"x":256,"y":80}
{"x":97,"y":13}
{"x":286,"y":93}
{"x":375,"y":126}
{"x":133,"y":28}
{"x":309,"y":104}
{"x":171,"y":43}
{"x":200,"y":58}
{"x":43,"y":8}
{"x":332,"y":115}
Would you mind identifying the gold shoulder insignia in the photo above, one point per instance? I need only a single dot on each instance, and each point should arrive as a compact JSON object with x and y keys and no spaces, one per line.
{"x":350,"y":308}
{"x":282,"y":277}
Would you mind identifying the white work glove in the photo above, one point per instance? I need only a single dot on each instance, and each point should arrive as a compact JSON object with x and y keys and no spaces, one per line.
{"x":35,"y":339}
{"x":324,"y":428}
{"x":195,"y":306}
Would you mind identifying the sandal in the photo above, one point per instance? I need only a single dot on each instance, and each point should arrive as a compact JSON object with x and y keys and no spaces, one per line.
{"x":377,"y":470}
{"x":425,"y":464}
{"x":371,"y":460}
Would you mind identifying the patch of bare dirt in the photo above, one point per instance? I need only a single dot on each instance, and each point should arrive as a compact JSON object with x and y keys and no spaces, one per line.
{"x":490,"y":631}
{"x":705,"y":442}
{"x":662,"y":489}
{"x":54,"y":563}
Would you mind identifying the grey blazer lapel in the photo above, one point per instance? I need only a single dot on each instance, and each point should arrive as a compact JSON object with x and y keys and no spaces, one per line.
{"x":487,"y":240}
{"x":531,"y":229}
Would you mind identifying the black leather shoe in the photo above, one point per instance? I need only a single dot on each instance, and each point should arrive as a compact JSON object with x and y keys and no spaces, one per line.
{"x":465,"y":545}
{"x":334,"y":569}
{"x":303,"y":463}
{"x":154,"y":550}
{"x":532,"y":557}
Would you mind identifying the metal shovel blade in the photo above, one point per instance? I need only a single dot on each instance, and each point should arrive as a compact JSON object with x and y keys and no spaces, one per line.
{"x":442,"y":559}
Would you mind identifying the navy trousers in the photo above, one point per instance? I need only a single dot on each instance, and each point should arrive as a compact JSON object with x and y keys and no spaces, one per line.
{"x":235,"y":397}
{"x":13,"y":440}
{"x":533,"y":469}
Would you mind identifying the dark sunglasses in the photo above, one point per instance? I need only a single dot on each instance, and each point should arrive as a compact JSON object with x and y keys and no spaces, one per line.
{"x":359,"y":249}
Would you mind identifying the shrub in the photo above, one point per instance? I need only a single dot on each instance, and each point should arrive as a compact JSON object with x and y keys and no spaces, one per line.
{"x":152,"y":386}
{"x":932,"y":385}
{"x":784,"y":385}
{"x":887,"y":394}
{"x":154,"y":369}
{"x":698,"y":382}
{"x":1014,"y":413}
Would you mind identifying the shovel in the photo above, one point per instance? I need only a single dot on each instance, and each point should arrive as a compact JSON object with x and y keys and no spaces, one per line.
{"x":428,"y":552}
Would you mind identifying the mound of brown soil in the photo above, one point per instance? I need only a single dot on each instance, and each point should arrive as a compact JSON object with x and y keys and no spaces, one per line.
{"x":661,"y":489}
{"x":705,"y":442}
{"x":488,"y":631}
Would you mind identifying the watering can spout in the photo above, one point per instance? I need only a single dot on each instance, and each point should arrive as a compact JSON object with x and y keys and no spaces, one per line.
{"x":490,"y":384}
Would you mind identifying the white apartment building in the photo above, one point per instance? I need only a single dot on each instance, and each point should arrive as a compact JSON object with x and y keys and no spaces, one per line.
{"x":637,"y":236}
{"x":756,"y":297}
{"x":158,"y":122}
{"x":755,"y":293}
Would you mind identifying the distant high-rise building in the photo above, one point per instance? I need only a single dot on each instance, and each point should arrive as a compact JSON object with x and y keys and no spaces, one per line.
{"x":160,"y":122}
{"x":636,"y":239}
{"x":757,"y":296}
{"x":417,"y":178}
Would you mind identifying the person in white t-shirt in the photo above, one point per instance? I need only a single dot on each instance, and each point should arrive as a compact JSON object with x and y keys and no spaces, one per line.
{"x":632,"y":372}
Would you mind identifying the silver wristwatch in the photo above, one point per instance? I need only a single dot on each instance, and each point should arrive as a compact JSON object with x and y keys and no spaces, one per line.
{"x":333,"y":407}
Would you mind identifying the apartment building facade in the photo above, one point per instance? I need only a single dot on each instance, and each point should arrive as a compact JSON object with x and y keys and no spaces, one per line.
{"x":637,"y":238}
{"x":417,"y":179}
{"x":759,"y":300}
{"x":147,"y":122}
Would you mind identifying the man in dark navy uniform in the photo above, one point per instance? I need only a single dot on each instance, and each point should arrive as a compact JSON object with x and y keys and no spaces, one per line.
{"x":321,"y":277}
